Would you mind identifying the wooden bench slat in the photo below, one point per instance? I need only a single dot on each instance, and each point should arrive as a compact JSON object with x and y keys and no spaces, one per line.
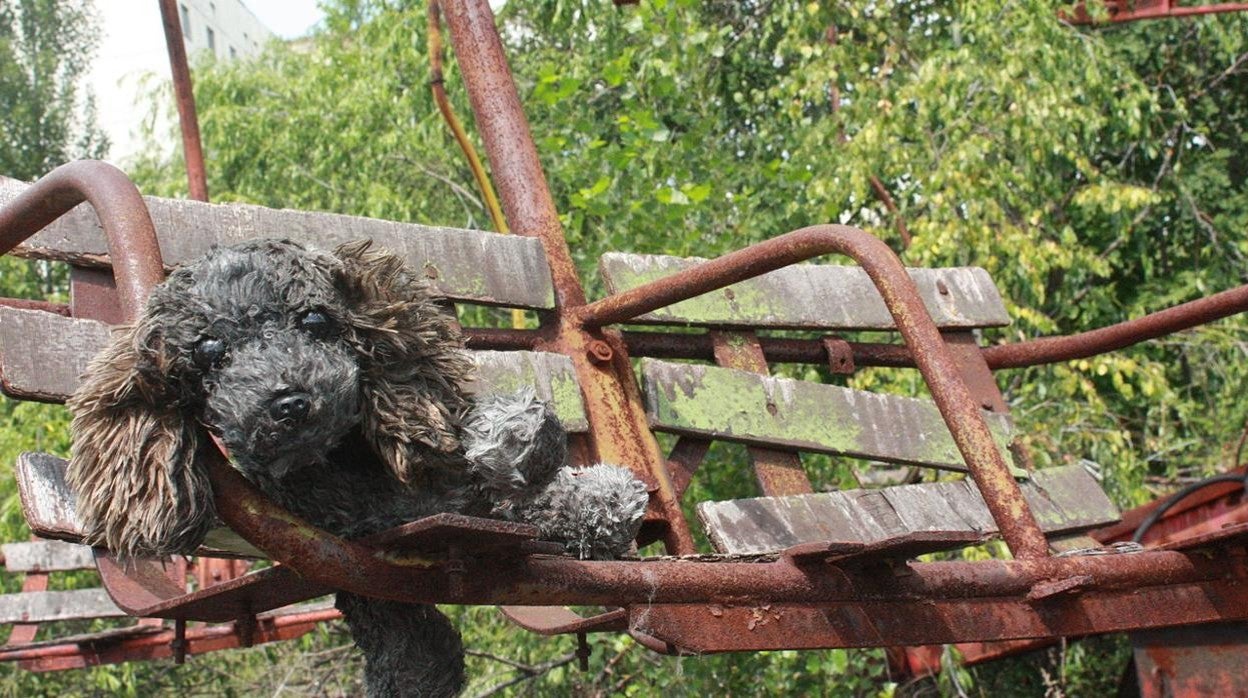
{"x":42,"y":356}
{"x":810,"y":296}
{"x":460,"y":264}
{"x":46,"y":606}
{"x":46,"y":556}
{"x":552,"y":376}
{"x":47,"y":502}
{"x":50,"y":510}
{"x":1064,"y":499}
{"x":722,"y":403}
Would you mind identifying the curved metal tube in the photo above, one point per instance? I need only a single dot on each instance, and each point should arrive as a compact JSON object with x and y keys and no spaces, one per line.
{"x":132,"y":244}
{"x":935,"y":362}
{"x":1047,"y":350}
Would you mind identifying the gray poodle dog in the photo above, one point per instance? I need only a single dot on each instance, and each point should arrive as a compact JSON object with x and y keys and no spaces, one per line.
{"x":337,"y":385}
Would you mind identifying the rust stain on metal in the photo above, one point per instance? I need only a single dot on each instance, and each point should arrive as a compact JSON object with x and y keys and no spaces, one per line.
{"x":132,"y":244}
{"x":1049,"y":589}
{"x":188,"y":120}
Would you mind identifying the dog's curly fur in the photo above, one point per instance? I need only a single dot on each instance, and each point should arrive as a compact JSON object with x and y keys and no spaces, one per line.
{"x":337,"y":384}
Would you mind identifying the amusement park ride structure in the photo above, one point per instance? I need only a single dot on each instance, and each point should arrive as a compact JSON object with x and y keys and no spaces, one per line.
{"x":793,"y":569}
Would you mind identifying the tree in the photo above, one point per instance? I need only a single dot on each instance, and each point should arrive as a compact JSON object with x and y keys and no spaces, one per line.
{"x":46,"y":119}
{"x":49,"y":118}
{"x":1096,"y":172}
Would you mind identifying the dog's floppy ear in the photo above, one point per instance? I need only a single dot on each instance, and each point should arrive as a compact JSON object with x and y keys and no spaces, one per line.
{"x":411,"y":361}
{"x":140,"y":488}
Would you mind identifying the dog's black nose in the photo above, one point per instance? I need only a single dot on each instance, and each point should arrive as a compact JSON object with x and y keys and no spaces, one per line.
{"x":291,"y":406}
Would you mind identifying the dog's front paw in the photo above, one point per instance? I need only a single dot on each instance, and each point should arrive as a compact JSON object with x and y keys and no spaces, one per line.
{"x":595,"y":512}
{"x":513,"y":443}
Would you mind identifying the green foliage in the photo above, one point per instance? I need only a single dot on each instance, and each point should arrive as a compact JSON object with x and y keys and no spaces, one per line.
{"x":49,"y":119}
{"x":1096,"y":173}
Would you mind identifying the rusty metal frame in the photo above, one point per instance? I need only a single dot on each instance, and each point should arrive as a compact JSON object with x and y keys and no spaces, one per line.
{"x":678,"y":604}
{"x":1135,"y":10}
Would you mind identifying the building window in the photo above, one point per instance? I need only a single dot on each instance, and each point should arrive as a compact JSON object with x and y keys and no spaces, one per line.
{"x":212,"y":41}
{"x":233,"y":53}
{"x":186,"y":20}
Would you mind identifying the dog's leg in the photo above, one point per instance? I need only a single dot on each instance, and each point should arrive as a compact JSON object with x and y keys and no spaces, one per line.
{"x":514,"y":445}
{"x":595,"y":512}
{"x":409,"y":649}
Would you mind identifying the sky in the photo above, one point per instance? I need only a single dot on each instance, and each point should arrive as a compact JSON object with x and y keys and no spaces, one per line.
{"x":287,"y":18}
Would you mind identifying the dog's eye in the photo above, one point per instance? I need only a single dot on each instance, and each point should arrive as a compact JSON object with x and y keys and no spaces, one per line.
{"x":317,"y":324}
{"x":208,"y":353}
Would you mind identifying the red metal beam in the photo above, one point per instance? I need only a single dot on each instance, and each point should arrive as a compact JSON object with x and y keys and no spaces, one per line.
{"x":158,"y":645}
{"x":188,"y":120}
{"x":1135,"y":10}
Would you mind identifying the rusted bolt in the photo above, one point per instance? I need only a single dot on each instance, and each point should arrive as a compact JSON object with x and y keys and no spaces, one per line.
{"x":772,"y":409}
{"x":941,"y":287}
{"x":599,"y":351}
{"x":431,"y":272}
{"x":729,"y":294}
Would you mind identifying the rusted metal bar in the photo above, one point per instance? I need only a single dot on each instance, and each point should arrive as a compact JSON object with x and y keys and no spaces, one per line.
{"x":934,"y":360}
{"x":1134,"y":10}
{"x":188,"y":120}
{"x":619,"y":431}
{"x":508,"y":142}
{"x":132,"y":244}
{"x":25,"y":304}
{"x":557,"y":580}
{"x":155,"y":645}
{"x":1049,"y":350}
{"x":664,"y":345}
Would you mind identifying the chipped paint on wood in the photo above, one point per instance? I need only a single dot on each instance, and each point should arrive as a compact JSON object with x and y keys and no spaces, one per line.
{"x":1065,"y":499}
{"x":722,"y":403}
{"x":810,"y":296}
{"x":468,"y":265}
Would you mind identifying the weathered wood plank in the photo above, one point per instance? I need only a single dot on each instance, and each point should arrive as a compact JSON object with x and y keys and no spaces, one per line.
{"x":810,"y":296}
{"x":43,"y":355}
{"x":47,"y":501}
{"x":460,"y":264}
{"x":1064,"y":499}
{"x":721,"y":403}
{"x":552,"y":377}
{"x":46,"y":606}
{"x":46,"y":556}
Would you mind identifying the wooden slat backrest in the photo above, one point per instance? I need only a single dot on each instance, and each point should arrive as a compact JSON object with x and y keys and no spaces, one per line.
{"x":43,"y":355}
{"x":462,"y":265}
{"x":721,"y":403}
{"x":810,"y":296}
{"x":1064,"y":500}
{"x":46,"y":556}
{"x":47,"y":606}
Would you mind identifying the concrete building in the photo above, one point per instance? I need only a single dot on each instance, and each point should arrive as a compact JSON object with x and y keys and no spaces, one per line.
{"x":132,"y":64}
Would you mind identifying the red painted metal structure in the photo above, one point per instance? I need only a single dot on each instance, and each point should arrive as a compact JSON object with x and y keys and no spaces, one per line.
{"x":1134,"y":10}
{"x":679,"y":604}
